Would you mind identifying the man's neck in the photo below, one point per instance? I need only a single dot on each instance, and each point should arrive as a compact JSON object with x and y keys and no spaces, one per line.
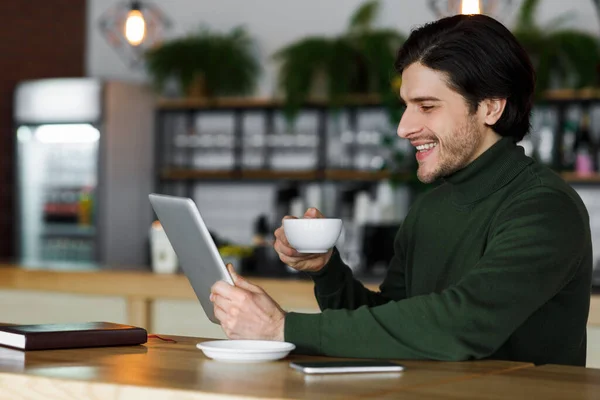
{"x":489,"y":138}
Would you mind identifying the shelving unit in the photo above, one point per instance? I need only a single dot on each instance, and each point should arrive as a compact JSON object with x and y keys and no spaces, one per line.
{"x":175,"y":165}
{"x":239,"y":107}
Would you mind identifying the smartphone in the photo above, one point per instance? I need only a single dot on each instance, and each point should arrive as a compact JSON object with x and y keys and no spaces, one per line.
{"x":341,"y":367}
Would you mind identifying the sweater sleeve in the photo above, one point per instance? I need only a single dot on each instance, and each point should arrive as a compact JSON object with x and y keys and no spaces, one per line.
{"x":336,"y":287}
{"x":534,"y":248}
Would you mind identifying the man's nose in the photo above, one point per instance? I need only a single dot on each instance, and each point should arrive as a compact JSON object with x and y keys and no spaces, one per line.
{"x":409,"y":124}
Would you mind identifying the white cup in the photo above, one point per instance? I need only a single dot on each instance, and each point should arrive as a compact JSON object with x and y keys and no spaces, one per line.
{"x":312,"y":235}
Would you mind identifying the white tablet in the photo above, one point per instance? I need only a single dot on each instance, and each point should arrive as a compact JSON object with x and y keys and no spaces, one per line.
{"x":197,"y":253}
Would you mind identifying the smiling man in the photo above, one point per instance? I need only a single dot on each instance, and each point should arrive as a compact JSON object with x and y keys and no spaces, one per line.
{"x":495,"y":262}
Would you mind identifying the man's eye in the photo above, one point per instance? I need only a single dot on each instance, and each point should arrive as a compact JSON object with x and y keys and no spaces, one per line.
{"x":426,"y":108}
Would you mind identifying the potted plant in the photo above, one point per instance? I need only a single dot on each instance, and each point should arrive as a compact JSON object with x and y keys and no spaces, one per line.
{"x":206,"y":63}
{"x":562,"y":57}
{"x":359,"y":61}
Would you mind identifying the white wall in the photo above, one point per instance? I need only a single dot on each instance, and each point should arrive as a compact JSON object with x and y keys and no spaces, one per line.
{"x":275,"y":23}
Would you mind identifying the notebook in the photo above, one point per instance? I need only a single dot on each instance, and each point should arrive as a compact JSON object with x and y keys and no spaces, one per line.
{"x":67,"y":336}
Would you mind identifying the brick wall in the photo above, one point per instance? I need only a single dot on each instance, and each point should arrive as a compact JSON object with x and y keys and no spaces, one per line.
{"x":38,"y":39}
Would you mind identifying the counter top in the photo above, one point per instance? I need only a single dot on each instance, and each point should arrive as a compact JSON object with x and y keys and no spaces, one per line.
{"x":546,"y":382}
{"x":161,"y":369}
{"x":143,"y":284}
{"x":142,"y":288}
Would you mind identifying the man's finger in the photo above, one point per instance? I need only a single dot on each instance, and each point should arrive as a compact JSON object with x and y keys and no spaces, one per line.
{"x":224,"y":289}
{"x":242,"y":282}
{"x":221,"y":302}
{"x":313,"y":213}
{"x":231,"y":271}
{"x":294,"y":260}
{"x":220,"y":314}
{"x":282,"y":240}
{"x":280,"y":235}
{"x":285,"y":250}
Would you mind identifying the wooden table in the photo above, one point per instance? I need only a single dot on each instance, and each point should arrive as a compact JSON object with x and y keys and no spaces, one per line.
{"x":179,"y":370}
{"x":547,"y":382}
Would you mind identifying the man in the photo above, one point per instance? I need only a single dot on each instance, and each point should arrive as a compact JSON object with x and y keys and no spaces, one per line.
{"x":495,"y":262}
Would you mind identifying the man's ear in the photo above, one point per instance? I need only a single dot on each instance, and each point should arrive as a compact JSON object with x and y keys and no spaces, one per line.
{"x":493,"y":110}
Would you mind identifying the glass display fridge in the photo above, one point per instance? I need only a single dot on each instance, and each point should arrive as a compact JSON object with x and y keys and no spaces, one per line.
{"x":84,"y":169}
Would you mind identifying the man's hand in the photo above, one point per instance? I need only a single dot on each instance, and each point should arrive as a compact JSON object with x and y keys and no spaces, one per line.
{"x":245,"y":311}
{"x":299,"y":261}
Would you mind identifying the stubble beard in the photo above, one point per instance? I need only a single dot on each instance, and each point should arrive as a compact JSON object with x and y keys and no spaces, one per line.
{"x":455,"y":153}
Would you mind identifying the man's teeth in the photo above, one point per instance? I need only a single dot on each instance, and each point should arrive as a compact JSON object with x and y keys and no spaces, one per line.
{"x":425,"y":147}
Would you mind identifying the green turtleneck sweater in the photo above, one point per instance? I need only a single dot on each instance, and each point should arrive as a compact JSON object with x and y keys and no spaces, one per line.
{"x":495,"y":262}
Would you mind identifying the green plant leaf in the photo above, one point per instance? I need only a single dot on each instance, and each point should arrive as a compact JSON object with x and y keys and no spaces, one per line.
{"x":563,"y":57}
{"x":558,"y":22}
{"x":228,"y":63}
{"x":526,"y":15}
{"x":597,"y":7}
{"x":577,"y":54}
{"x":360,"y":61}
{"x":344,"y":70}
{"x":300,"y":64}
{"x":364,"y":16}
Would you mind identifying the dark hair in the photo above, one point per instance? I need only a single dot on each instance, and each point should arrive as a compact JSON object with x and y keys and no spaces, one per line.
{"x":483,"y":60}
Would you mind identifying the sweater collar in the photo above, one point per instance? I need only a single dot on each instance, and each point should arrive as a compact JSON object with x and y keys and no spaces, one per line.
{"x":493,"y":169}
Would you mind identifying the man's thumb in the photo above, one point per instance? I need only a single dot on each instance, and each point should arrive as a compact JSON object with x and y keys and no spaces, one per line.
{"x":313,"y":213}
{"x":241,"y":282}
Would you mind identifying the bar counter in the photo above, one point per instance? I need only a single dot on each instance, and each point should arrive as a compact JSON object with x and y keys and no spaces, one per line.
{"x":178,"y":370}
{"x":142,"y":288}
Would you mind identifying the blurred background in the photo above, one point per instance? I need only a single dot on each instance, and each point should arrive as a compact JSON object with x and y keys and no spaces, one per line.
{"x":256,"y":110}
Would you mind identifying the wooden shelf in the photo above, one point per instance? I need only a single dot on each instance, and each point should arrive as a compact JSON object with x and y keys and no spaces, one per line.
{"x":332,"y":175}
{"x":190,"y":174}
{"x":572,"y":177}
{"x":256,"y":102}
{"x":350,"y":175}
{"x":573,"y":94}
{"x":224,"y":102}
{"x":280,"y":175}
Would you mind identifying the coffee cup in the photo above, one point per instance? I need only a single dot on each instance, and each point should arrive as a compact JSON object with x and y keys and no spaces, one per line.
{"x":312,"y":235}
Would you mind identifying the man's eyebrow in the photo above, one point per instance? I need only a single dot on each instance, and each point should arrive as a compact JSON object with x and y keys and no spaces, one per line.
{"x":421,"y":99}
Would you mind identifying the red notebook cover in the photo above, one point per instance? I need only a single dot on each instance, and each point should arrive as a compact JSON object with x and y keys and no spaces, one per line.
{"x":67,"y":336}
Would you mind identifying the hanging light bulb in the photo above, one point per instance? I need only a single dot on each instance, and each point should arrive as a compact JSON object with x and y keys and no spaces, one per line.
{"x":470,"y":7}
{"x":498,"y":9}
{"x":135,"y":25}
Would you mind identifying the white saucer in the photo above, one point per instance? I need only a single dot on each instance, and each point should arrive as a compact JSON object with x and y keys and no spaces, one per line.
{"x":245,"y":350}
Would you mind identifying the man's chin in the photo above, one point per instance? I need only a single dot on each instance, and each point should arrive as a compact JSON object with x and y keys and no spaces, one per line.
{"x":427,"y":176}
